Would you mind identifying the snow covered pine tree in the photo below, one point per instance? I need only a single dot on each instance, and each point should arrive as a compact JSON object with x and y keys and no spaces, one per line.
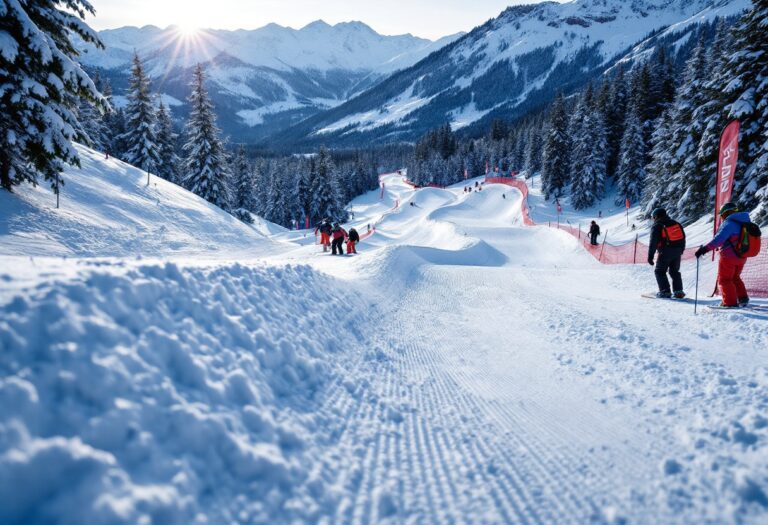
{"x":40,"y":83}
{"x":205,"y":167}
{"x":140,"y":136}
{"x":168,"y":165}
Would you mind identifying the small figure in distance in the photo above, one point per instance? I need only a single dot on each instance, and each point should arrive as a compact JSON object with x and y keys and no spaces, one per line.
{"x":594,"y":232}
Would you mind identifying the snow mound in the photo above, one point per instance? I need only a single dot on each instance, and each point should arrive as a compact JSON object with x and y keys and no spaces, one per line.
{"x":184,"y":395}
{"x":107,"y":209}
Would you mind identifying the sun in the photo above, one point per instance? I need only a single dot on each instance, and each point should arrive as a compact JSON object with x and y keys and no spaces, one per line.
{"x":187,"y":30}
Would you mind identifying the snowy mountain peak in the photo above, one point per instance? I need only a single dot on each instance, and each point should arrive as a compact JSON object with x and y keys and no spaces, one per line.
{"x":506,"y":66}
{"x":265,"y":79}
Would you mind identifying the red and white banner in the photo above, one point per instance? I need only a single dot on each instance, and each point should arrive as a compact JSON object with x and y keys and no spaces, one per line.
{"x":726,"y":167}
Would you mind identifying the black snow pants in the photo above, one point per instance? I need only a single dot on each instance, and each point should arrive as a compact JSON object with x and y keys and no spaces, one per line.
{"x":593,"y":238}
{"x":337,"y":243}
{"x":669,"y":261}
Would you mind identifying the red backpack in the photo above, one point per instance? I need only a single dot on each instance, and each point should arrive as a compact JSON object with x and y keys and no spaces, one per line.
{"x":748,"y":244}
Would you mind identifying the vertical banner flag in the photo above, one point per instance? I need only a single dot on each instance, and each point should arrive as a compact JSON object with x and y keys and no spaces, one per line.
{"x":306,"y":223}
{"x":726,"y":167}
{"x":486,"y":167}
{"x":626,"y":205}
{"x":466,"y":174}
{"x":382,"y":192}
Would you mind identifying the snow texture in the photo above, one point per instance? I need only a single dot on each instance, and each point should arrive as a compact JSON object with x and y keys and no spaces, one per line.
{"x":461,"y":368}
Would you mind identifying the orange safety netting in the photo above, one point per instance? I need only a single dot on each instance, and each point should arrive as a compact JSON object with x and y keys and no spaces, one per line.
{"x":755,"y":274}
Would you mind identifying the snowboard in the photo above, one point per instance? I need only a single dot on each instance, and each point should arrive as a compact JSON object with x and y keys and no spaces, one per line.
{"x":749,"y":308}
{"x":652,"y":295}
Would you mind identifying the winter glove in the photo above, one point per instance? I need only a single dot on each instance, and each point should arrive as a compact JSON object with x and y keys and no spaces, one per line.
{"x":701,"y":251}
{"x":650,"y":261}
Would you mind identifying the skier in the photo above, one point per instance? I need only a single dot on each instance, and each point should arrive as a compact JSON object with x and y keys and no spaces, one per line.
{"x":352,"y":240}
{"x":325,"y":233}
{"x":731,"y":263}
{"x":339,"y":234}
{"x":668,"y":238}
{"x":594,"y":231}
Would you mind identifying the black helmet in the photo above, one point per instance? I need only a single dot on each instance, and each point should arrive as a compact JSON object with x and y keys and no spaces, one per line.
{"x":659,"y":213}
{"x":335,"y":224}
{"x":728,"y":208}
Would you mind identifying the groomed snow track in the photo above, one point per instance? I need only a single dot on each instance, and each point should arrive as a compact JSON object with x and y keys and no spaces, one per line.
{"x":461,"y":369}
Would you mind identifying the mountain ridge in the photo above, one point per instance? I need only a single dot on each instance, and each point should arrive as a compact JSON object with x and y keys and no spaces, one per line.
{"x":260,"y":80}
{"x":503,"y":68}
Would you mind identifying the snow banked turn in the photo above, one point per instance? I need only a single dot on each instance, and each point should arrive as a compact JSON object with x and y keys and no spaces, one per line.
{"x":461,"y":368}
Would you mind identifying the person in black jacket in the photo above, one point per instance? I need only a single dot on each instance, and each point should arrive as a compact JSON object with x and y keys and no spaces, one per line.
{"x":668,"y":238}
{"x":594,"y":231}
{"x":352,"y":241}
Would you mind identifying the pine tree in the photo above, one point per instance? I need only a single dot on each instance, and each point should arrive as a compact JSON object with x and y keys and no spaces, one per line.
{"x":91,"y":118}
{"x":325,"y":191}
{"x":205,"y":166}
{"x":140,"y":136}
{"x":615,"y":117}
{"x":590,"y":154}
{"x":118,"y":127}
{"x":260,"y":188}
{"x":533,"y":150}
{"x":41,"y":82}
{"x":746,"y":95}
{"x":243,"y":181}
{"x":169,"y":162}
{"x":686,"y":186}
{"x":631,"y":169}
{"x":659,"y":177}
{"x":555,"y":165}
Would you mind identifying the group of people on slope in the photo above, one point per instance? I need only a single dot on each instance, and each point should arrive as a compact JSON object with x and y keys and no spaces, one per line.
{"x":668,"y":240}
{"x":333,"y":235}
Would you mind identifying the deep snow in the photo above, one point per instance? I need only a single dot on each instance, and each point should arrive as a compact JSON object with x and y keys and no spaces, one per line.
{"x":461,"y":368}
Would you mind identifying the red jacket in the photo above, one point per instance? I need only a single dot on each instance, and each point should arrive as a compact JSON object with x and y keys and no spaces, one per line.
{"x":339,"y":234}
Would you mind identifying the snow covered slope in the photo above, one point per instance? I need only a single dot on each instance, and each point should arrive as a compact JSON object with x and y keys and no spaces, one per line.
{"x":108,"y":210}
{"x":461,"y":368}
{"x":509,"y":65}
{"x":265,"y":78}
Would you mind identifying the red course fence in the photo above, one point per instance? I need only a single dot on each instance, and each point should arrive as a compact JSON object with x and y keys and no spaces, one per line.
{"x":755,"y":274}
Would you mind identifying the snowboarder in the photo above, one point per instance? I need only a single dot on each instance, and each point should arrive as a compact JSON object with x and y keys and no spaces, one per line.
{"x":352,"y":240}
{"x":668,"y":238}
{"x":325,"y":234}
{"x":339,"y":234}
{"x":731,"y":262}
{"x":594,"y":232}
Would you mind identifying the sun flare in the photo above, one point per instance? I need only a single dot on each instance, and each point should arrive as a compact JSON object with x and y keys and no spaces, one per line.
{"x":187,"y":30}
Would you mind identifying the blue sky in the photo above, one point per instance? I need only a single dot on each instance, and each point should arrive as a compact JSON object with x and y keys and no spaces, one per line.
{"x":426,"y":18}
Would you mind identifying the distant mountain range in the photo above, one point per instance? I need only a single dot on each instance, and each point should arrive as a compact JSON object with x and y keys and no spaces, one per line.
{"x":346,"y":85}
{"x":507,"y":67}
{"x":261,"y":80}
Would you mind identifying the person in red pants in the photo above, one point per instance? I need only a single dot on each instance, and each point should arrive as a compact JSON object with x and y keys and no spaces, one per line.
{"x":731,"y":263}
{"x":352,"y":241}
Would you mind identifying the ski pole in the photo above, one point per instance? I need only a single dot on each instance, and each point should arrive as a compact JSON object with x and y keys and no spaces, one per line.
{"x":696,"y":296}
